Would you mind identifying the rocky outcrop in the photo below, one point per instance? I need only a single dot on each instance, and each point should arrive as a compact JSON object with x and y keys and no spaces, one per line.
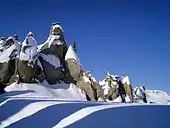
{"x":117,"y":87}
{"x":52,"y":54}
{"x":8,"y":56}
{"x":29,"y":67}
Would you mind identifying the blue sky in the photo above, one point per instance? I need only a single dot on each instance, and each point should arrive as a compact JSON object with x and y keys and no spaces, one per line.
{"x":126,"y":37}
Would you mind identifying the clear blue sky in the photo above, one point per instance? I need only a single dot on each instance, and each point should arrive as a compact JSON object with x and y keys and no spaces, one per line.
{"x":127,"y":37}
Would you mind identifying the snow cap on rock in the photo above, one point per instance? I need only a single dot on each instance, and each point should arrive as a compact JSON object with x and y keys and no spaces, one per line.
{"x":2,"y":41}
{"x":10,"y":41}
{"x":111,"y":76}
{"x":30,"y":34}
{"x":2,"y":38}
{"x":57,"y":25}
{"x":126,"y":80}
{"x":16,"y":37}
{"x":71,"y":54}
{"x":29,"y":40}
{"x":9,"y":38}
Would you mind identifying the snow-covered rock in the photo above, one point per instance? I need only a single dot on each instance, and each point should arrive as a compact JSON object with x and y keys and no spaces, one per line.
{"x":105,"y":86}
{"x":126,"y":79}
{"x":8,"y":51}
{"x":5,"y":55}
{"x":51,"y":59}
{"x":72,"y":54}
{"x":56,"y":25}
{"x":29,"y":49}
{"x":51,"y":41}
{"x":139,"y":92}
{"x":2,"y":42}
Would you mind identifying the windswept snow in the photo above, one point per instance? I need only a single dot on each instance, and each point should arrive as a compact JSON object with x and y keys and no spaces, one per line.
{"x":28,"y":111}
{"x":60,"y":114}
{"x":64,"y":105}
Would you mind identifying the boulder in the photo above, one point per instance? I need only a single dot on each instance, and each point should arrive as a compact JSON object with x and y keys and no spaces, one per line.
{"x":73,"y":66}
{"x":8,"y":55}
{"x":29,"y":68}
{"x":52,"y":54}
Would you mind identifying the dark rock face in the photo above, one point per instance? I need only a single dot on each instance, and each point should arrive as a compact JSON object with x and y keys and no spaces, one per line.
{"x":30,"y":73}
{"x":7,"y":64}
{"x":6,"y":71}
{"x":55,"y":44}
{"x":52,"y":74}
{"x":54,"y":47}
{"x":57,"y":50}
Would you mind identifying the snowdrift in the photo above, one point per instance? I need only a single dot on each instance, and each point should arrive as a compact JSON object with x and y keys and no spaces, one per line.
{"x":64,"y":105}
{"x":17,"y":113}
{"x":44,"y":90}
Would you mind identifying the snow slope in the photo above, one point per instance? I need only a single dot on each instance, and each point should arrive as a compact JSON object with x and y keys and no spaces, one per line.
{"x":64,"y":105}
{"x":20,"y":112}
{"x":157,"y":96}
{"x":56,"y":91}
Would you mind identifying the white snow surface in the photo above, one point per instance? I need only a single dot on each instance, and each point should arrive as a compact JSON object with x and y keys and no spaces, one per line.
{"x":72,"y":54}
{"x":63,"y":105}
{"x":4,"y":56}
{"x":157,"y":96}
{"x":31,"y":51}
{"x":57,"y":91}
{"x":126,"y":80}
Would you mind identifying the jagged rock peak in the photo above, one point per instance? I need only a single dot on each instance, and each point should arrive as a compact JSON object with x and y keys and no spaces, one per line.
{"x":30,"y":34}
